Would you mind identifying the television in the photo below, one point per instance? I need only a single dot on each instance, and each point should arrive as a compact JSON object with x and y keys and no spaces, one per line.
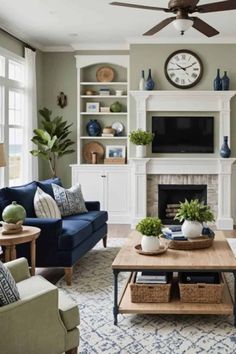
{"x":183,"y":134}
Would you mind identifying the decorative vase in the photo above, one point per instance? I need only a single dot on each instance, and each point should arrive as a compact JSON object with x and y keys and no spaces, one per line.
{"x":218,"y":82}
{"x":225,"y":82}
{"x":191,"y":229}
{"x":150,"y":243}
{"x":93,"y":128}
{"x":141,"y":151}
{"x":142,"y":81}
{"x":149,"y":83}
{"x":225,"y":150}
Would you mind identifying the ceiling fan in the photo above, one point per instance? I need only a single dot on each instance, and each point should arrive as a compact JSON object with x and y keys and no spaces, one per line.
{"x":182,"y":9}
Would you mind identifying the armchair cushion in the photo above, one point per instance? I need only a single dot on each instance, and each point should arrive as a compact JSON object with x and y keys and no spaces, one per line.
{"x":96,"y":218}
{"x":8,"y":289}
{"x":68,"y":311}
{"x":46,"y":185}
{"x":74,"y":232}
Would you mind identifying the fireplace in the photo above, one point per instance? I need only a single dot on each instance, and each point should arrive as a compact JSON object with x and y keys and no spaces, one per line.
{"x":170,"y":195}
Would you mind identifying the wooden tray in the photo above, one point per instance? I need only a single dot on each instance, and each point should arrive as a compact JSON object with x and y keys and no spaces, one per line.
{"x":162,"y":249}
{"x":105,"y":74}
{"x":93,"y":146}
{"x":194,"y":244}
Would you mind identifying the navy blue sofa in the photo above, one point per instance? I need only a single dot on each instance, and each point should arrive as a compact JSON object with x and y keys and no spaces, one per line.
{"x":62,"y":242}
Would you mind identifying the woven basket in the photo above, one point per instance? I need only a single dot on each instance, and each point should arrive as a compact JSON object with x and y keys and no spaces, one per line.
{"x":201,"y":293}
{"x":149,"y":292}
{"x":194,"y":244}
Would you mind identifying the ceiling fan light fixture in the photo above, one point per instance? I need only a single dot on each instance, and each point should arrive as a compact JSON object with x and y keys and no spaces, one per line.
{"x":182,"y":24}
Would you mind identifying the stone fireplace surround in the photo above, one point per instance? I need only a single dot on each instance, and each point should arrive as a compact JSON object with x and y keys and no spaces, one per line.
{"x":214,"y":171}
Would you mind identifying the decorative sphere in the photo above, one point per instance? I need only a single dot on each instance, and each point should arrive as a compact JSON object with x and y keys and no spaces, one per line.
{"x":14,"y":213}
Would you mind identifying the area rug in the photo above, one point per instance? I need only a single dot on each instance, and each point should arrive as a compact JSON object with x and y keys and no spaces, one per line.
{"x":92,"y":290}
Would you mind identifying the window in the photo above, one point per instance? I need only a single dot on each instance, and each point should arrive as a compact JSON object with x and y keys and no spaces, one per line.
{"x":12,"y":121}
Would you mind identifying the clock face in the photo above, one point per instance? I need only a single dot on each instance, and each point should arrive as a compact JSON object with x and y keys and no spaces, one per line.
{"x":183,"y":69}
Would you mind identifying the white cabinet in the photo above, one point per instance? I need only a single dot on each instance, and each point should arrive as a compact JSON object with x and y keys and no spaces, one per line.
{"x":108,"y":184}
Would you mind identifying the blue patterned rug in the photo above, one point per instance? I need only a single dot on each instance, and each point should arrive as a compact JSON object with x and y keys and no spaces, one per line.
{"x":92,"y":290}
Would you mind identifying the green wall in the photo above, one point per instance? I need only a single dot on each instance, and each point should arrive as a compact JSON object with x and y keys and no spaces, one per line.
{"x":11,"y":44}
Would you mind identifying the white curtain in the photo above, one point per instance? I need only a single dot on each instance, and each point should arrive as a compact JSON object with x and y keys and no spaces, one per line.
{"x":30,"y":163}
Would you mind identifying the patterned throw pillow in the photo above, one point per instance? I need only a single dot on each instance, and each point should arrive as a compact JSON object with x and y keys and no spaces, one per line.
{"x":70,"y":201}
{"x":45,"y":206}
{"x":8,"y":289}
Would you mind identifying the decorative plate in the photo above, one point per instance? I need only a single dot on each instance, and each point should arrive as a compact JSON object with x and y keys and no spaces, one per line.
{"x":162,"y":249}
{"x":105,"y":74}
{"x":118,"y":126}
{"x":91,"y":147}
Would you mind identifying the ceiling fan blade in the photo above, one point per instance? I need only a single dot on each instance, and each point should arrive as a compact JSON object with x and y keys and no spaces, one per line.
{"x":136,"y":6}
{"x":203,"y":27}
{"x":159,"y":26}
{"x":217,"y":6}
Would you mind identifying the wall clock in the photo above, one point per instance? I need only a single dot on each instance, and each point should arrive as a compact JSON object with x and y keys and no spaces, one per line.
{"x":183,"y":69}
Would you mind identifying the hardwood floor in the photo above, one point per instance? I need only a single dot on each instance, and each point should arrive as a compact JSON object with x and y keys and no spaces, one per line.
{"x":114,"y":230}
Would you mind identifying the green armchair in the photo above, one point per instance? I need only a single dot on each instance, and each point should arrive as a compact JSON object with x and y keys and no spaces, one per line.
{"x":43,"y":321}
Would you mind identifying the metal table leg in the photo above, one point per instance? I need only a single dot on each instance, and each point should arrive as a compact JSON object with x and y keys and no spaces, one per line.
{"x":116,"y":307}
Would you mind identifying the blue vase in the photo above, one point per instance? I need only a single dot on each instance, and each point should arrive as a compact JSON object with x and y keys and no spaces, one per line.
{"x":93,"y":128}
{"x":217,"y":82}
{"x":149,"y":83}
{"x":225,"y":150}
{"x":225,"y":82}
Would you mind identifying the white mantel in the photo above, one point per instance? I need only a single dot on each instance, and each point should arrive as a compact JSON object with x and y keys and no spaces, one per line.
{"x":192,"y":101}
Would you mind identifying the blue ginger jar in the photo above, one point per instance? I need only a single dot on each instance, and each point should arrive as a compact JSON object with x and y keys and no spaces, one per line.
{"x":225,"y":150}
{"x":217,"y":82}
{"x":149,"y":83}
{"x":93,"y":128}
{"x":225,"y":81}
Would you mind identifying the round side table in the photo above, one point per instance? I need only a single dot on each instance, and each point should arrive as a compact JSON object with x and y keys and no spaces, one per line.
{"x":28,"y":234}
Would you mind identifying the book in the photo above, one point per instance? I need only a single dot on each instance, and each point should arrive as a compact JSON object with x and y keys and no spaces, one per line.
{"x":173,"y":235}
{"x":107,"y":134}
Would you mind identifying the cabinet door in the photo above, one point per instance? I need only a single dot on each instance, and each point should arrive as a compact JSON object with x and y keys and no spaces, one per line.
{"x":92,"y":184}
{"x":117,"y":193}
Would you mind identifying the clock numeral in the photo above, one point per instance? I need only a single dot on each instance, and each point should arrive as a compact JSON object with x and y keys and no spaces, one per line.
{"x":194,"y":75}
{"x":177,"y":80}
{"x":182,"y":82}
{"x":172,"y":75}
{"x":196,"y":69}
{"x":176,"y":58}
{"x":183,"y":56}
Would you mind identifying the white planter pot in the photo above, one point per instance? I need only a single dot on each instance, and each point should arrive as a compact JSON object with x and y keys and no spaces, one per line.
{"x":150,"y":243}
{"x":141,"y":151}
{"x":192,"y":229}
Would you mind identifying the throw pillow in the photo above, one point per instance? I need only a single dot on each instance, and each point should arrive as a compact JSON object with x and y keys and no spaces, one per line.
{"x":70,"y":201}
{"x":45,"y":206}
{"x":8,"y":289}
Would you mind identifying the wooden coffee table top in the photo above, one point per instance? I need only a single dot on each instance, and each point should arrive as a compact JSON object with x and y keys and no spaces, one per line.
{"x":218,"y":257}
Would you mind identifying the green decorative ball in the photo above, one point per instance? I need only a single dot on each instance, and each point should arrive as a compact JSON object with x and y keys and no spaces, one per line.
{"x":13,"y":213}
{"x":116,"y":107}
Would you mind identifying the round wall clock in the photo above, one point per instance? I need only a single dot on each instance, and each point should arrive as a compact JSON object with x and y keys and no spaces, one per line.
{"x":183,"y":69}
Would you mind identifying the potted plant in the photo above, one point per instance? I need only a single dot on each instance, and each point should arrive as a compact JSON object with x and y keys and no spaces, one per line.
{"x":141,"y":139}
{"x":150,"y":228}
{"x":52,"y":139}
{"x":193,"y":214}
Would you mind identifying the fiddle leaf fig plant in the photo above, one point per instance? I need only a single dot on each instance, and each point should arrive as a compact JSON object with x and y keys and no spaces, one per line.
{"x":52,"y":139}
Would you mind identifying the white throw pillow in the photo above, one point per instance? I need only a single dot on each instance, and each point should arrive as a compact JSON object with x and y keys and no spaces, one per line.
{"x":45,"y":206}
{"x":70,"y":201}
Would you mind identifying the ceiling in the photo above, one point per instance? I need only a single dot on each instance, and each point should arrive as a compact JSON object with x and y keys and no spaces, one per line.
{"x":88,"y":24}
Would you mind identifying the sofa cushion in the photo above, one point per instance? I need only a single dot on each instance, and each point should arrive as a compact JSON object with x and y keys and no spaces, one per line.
{"x":70,"y":201}
{"x":97,"y":218}
{"x":46,"y":185}
{"x":45,"y":206}
{"x":69,"y":311}
{"x":23,"y":195}
{"x":8,"y":289}
{"x":73,"y":233}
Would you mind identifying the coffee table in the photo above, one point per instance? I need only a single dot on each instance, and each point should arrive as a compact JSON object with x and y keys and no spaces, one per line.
{"x":218,"y":258}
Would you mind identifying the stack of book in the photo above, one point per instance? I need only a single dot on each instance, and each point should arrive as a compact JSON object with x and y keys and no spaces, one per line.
{"x":174,"y":233}
{"x":151,"y":277}
{"x":108,"y":134}
{"x":104,"y":92}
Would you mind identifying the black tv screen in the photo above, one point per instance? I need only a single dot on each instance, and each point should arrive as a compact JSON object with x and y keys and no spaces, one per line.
{"x":183,"y":134}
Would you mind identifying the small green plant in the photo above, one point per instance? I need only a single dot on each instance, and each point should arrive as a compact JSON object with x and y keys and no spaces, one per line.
{"x":150,"y":226}
{"x":194,"y":211}
{"x":52,"y":139}
{"x":141,"y":137}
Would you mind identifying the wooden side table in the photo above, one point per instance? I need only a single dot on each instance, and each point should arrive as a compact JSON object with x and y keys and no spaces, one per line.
{"x":28,"y":234}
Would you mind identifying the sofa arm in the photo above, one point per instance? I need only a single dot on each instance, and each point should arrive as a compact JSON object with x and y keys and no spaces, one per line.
{"x":19,"y":269}
{"x":93,"y":206}
{"x":49,"y":227}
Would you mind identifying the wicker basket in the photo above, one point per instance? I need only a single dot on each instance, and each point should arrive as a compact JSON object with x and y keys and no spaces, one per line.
{"x":194,"y":244}
{"x":201,"y":293}
{"x":149,"y":292}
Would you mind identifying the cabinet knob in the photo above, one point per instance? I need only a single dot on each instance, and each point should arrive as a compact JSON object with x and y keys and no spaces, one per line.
{"x":103,"y":176}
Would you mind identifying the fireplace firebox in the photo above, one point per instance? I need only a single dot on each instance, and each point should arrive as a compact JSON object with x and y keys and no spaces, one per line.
{"x":170,"y":195}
